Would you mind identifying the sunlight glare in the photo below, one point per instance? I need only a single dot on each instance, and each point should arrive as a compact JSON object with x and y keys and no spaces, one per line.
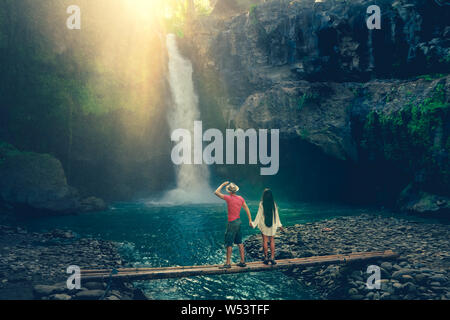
{"x":146,"y":9}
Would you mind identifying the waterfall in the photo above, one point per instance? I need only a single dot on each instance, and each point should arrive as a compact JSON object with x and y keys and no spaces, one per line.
{"x":192,"y":180}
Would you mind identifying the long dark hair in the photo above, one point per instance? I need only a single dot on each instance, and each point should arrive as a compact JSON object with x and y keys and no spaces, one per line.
{"x":269,"y":208}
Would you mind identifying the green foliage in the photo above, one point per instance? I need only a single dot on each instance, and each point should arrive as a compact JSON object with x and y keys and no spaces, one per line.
{"x":175,"y":26}
{"x":306,"y":98}
{"x":7,"y":150}
{"x":358,"y":91}
{"x":446,"y":59}
{"x":304,"y":133}
{"x":203,"y":8}
{"x":431,"y":77}
{"x":252,"y":14}
{"x":415,"y":137}
{"x":391,"y":95}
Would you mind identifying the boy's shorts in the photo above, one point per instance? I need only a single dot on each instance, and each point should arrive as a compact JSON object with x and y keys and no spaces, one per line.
{"x":233,"y":234}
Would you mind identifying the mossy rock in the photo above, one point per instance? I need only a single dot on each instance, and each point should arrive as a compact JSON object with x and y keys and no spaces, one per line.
{"x":35,"y":181}
{"x":412,"y":200}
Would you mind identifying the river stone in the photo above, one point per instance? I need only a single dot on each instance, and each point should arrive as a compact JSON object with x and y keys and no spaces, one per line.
{"x":352,"y":291}
{"x":385,"y":295}
{"x":398,"y":274}
{"x":412,"y":288}
{"x":386,"y":265}
{"x":284,"y":254}
{"x":357,"y":297}
{"x":406,"y":278}
{"x":60,"y":296}
{"x":421,"y":277}
{"x":384,"y":273}
{"x":90,"y":294}
{"x":397,"y":286}
{"x":44,"y":290}
{"x":439,"y":278}
{"x":94,"y":285}
{"x":139,"y":295}
{"x":435,"y":284}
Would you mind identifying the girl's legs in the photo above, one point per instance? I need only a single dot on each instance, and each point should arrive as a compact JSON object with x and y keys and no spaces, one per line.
{"x":272,"y":247}
{"x":265,"y":246}
{"x":242,"y":252}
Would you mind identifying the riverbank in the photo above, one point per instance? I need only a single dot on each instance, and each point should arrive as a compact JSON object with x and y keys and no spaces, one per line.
{"x":33,"y":266}
{"x":421,"y":271}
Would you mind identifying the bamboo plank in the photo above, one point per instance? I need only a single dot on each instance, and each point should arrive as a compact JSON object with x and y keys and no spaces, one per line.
{"x":134,"y":274}
{"x":295,"y":260}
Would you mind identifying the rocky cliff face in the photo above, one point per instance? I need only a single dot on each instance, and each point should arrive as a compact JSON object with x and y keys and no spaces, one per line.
{"x":315,"y":71}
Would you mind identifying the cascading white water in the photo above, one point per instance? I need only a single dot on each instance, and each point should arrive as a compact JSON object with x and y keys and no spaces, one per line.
{"x":192,"y":180}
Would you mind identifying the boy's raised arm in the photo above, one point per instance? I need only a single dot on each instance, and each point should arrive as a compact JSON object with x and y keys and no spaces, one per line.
{"x":219,"y":189}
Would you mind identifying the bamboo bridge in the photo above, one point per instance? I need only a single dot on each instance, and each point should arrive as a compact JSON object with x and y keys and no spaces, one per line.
{"x":135,"y":274}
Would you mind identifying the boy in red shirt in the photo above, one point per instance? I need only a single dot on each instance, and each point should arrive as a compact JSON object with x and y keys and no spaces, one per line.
{"x":233,"y":234}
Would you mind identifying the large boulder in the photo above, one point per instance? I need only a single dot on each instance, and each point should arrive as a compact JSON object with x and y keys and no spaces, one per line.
{"x":90,"y":295}
{"x":46,"y":290}
{"x":36,"y":182}
{"x":92,"y":204}
{"x":316,"y":112}
{"x":415,"y":201}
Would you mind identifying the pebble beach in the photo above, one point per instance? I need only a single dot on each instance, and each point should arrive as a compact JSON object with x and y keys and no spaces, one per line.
{"x":420,"y":271}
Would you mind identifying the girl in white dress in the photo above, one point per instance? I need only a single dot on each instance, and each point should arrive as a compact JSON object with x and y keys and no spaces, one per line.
{"x":268,"y":221}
